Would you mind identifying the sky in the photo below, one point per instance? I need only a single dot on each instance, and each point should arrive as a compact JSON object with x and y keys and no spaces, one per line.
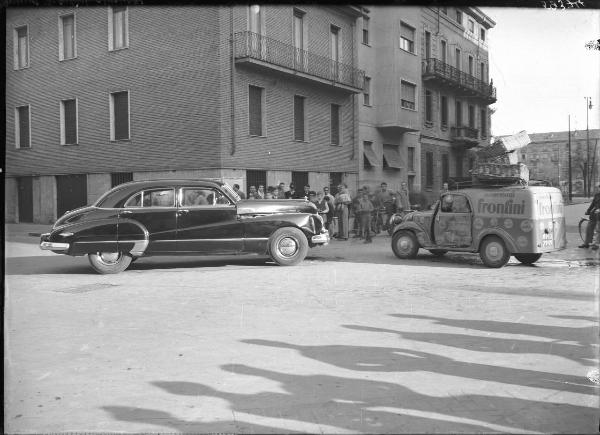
{"x":542,"y":70}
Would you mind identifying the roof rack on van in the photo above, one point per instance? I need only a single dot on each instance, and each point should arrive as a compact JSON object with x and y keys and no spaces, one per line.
{"x":485,"y":184}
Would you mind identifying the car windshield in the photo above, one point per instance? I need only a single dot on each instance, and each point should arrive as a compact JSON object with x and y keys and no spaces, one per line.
{"x":229,"y":190}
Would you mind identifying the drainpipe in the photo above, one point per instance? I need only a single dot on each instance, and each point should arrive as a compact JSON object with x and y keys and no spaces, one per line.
{"x":232,"y":79}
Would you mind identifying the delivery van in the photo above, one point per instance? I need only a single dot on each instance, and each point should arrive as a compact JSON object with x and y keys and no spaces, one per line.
{"x":496,"y":222}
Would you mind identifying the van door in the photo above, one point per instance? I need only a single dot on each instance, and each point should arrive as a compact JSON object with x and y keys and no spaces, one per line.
{"x":453,"y":222}
{"x":558,"y":220}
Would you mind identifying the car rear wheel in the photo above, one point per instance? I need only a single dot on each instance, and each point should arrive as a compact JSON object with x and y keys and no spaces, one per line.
{"x":528,"y":258}
{"x":109,"y":262}
{"x":493,"y":252}
{"x":405,"y":245}
{"x":288,"y":246}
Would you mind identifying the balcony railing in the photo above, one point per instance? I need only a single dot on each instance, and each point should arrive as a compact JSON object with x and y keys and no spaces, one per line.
{"x":435,"y":68}
{"x":464,"y":135}
{"x":254,"y":46}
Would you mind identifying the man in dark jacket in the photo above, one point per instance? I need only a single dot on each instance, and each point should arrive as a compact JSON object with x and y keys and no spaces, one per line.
{"x":592,"y":211}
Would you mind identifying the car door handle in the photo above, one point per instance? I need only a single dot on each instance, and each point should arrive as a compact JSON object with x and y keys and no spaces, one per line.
{"x":183,"y":211}
{"x":126,"y":212}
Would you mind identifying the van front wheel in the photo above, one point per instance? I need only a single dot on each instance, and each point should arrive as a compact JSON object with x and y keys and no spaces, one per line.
{"x":528,"y":258}
{"x":493,"y":252}
{"x":405,"y":244}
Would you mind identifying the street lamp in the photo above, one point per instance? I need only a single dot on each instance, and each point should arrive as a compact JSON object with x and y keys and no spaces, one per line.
{"x":588,"y":107}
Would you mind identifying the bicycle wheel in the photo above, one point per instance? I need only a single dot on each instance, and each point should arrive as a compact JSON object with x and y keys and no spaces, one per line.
{"x":583,"y":223}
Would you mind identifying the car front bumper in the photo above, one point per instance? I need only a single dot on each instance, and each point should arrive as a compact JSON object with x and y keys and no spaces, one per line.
{"x":46,"y":245}
{"x":320,"y":239}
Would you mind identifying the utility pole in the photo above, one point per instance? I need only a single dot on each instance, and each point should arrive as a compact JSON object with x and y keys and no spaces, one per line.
{"x":588,"y":107}
{"x":570,"y":177}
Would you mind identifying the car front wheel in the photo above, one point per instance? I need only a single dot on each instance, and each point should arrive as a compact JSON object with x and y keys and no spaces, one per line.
{"x":288,"y":246}
{"x":405,"y":244}
{"x":528,"y":258}
{"x":109,"y":262}
{"x":493,"y":252}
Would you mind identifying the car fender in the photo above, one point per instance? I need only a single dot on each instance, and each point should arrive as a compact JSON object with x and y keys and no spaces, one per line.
{"x":87,"y":236}
{"x":264,"y":225}
{"x":505,"y":236}
{"x":422,"y":235}
{"x":137,"y":244}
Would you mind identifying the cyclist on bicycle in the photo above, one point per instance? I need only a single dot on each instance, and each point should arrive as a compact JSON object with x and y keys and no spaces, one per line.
{"x":384,"y":200}
{"x":593,"y":211}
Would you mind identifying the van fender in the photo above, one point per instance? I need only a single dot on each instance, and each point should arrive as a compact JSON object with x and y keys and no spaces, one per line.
{"x":423,"y":236}
{"x":505,"y":236}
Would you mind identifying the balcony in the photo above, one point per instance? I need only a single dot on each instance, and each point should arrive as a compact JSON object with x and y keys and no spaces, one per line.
{"x":255,"y":49}
{"x":435,"y":70}
{"x":464,"y":137}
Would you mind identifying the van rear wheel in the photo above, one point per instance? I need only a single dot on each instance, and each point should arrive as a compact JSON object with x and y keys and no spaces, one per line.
{"x":528,"y":258}
{"x":405,"y":244}
{"x":493,"y":252}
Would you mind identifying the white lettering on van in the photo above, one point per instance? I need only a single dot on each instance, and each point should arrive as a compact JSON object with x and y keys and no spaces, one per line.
{"x":508,"y":207}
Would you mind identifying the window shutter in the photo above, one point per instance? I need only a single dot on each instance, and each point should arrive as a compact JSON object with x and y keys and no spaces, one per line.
{"x":121,"y":108}
{"x":68,"y":37}
{"x":70,"y":114}
{"x":255,"y":110}
{"x":335,"y":124}
{"x":298,"y":118}
{"x":24,"y":127}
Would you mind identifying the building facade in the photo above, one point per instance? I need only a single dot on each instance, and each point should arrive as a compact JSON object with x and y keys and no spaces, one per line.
{"x":96,"y":96}
{"x":547,"y":158}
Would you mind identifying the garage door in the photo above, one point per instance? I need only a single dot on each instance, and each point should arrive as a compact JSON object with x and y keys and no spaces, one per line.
{"x":71,"y":192}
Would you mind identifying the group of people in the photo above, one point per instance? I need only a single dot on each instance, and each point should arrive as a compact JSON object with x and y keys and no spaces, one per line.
{"x":341,"y":205}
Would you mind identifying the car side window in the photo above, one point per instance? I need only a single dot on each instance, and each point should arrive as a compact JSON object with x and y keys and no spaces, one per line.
{"x":447,"y":201}
{"x":159,"y":198}
{"x":192,"y":197}
{"x":134,"y":201}
{"x":460,"y":204}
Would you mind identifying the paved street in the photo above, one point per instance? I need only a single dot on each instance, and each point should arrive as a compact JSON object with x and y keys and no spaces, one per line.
{"x":353,"y":340}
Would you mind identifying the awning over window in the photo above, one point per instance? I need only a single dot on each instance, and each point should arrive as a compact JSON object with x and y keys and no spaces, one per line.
{"x":391,"y":154}
{"x":370,"y":155}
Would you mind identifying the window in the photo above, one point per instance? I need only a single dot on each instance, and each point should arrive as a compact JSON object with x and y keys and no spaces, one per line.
{"x":483,"y":116}
{"x":482,"y":71}
{"x":458,"y":113}
{"x":482,"y":34}
{"x":21,"y":47}
{"x":444,"y":51}
{"x":365,"y":31}
{"x":299,"y":38}
{"x":428,"y":107}
{"x":471,"y":27}
{"x":471,"y":116}
{"x":335,"y":50}
{"x":119,"y":115}
{"x":367,"y":92}
{"x":299,"y":120}
{"x":255,"y":19}
{"x":407,"y":38}
{"x":255,"y":110}
{"x":471,"y":65}
{"x":68,"y":122}
{"x":444,"y":111}
{"x":22,"y":127}
{"x":411,"y":159}
{"x":459,"y":17}
{"x":335,"y":124}
{"x":117,"y":178}
{"x":408,"y":95}
{"x":445,"y":168}
{"x":195,"y":196}
{"x":427,"y":45}
{"x":429,"y":170}
{"x":255,"y":178}
{"x":368,"y":150}
{"x":66,"y":37}
{"x":152,"y":198}
{"x":118,"y":27}
{"x":457,"y":59}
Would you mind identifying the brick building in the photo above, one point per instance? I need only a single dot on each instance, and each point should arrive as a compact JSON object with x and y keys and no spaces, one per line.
{"x":547,"y":158}
{"x":97,"y":96}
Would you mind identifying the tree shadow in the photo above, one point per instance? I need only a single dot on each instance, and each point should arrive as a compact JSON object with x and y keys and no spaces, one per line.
{"x":390,"y":359}
{"x":576,"y":352}
{"x":370,"y":406}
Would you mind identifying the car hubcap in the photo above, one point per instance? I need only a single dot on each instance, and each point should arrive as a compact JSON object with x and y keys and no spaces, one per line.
{"x":494,"y":252}
{"x":288,"y":246}
{"x":109,"y":257}
{"x":404,"y":244}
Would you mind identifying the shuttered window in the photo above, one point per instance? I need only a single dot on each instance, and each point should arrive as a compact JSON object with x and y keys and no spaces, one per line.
{"x":483,"y":116}
{"x":335,"y":124}
{"x":120,"y":115}
{"x":428,"y":106}
{"x":299,"y":127}
{"x":69,"y":122}
{"x":255,"y":110}
{"x":119,"y":21}
{"x":408,"y":95}
{"x":429,"y":170}
{"x":411,"y":159}
{"x":21,"y":48}
{"x":68,"y":37}
{"x":458,"y":113}
{"x":117,"y":178}
{"x":444,"y":111}
{"x":407,"y":38}
{"x":22,"y":122}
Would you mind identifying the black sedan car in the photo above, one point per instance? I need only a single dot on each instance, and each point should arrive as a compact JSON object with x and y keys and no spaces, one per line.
{"x":184,"y":217}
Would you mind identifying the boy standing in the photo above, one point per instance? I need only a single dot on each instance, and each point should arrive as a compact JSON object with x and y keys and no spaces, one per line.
{"x":364,"y":208}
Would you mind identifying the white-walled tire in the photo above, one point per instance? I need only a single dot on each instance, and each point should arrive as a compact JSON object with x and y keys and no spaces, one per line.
{"x":493,"y":252}
{"x":288,"y":246}
{"x":109,"y":262}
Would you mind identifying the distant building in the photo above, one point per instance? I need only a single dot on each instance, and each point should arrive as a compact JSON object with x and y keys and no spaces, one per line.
{"x":547,"y":158}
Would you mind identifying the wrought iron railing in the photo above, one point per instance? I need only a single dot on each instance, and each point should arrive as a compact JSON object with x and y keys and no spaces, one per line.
{"x":441,"y":69}
{"x":255,"y":46}
{"x":464,"y":133}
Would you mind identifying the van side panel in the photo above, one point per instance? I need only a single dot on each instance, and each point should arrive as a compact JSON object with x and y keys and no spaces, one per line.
{"x":558,"y":220}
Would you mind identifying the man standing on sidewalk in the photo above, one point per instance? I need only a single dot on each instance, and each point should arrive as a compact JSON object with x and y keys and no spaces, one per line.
{"x":592,"y":213}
